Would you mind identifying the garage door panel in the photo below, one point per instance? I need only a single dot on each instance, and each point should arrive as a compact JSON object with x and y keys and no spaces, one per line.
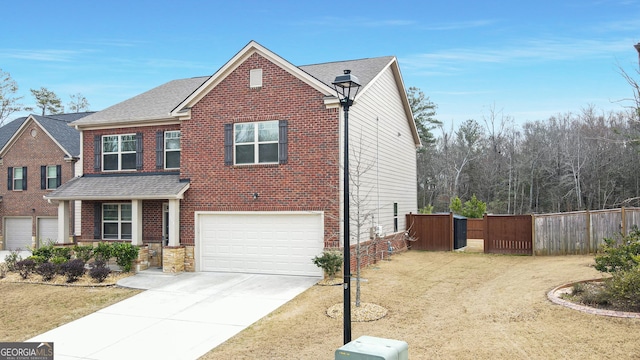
{"x":47,"y":230}
{"x":272,"y":243}
{"x":18,"y":233}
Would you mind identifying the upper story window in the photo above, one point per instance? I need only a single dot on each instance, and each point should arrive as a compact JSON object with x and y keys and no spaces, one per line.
{"x":17,"y":178}
{"x":172,"y":149}
{"x":50,"y":176}
{"x":256,"y":143}
{"x":263,"y":142}
{"x":119,"y":152}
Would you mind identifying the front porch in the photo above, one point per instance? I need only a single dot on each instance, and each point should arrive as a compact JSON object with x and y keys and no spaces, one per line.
{"x":143,"y":209}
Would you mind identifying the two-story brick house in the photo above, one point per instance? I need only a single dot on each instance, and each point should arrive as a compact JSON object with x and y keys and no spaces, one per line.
{"x":240,"y":171}
{"x":37,"y":155}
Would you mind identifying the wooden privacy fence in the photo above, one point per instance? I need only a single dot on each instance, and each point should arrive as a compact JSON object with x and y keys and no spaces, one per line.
{"x":580,"y":232}
{"x":436,"y":232}
{"x":475,"y":229}
{"x":508,"y":234}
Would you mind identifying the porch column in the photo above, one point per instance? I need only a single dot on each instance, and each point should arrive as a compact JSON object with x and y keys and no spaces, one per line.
{"x":174,"y":222}
{"x":136,"y":222}
{"x":63,"y":222}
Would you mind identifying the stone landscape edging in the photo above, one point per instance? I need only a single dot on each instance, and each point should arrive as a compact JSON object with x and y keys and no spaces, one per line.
{"x":555,"y":293}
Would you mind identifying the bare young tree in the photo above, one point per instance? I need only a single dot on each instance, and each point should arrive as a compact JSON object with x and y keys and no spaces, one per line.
{"x":9,"y":102}
{"x":78,"y":103}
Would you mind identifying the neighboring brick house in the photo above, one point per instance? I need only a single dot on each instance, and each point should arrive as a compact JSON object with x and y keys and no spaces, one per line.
{"x":241,"y":171}
{"x":37,"y":155}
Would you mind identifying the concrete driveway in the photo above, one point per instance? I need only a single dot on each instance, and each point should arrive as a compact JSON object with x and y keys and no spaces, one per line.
{"x":180,"y":316}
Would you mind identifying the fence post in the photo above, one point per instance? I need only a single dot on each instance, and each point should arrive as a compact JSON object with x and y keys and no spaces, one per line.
{"x":450,"y":230}
{"x":533,"y":234}
{"x":624,"y":222}
{"x":588,"y":231}
{"x":485,"y":235}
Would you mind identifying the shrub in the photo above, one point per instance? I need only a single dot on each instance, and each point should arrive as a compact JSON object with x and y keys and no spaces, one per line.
{"x":64,"y":252}
{"x":38,"y":259}
{"x":84,"y":252}
{"x":619,"y":257}
{"x":59,"y":262}
{"x":11,"y":259}
{"x":99,"y":271}
{"x":624,"y":287}
{"x":45,"y":251}
{"x":103,"y":251}
{"x":47,"y":270}
{"x":25,"y":267}
{"x":125,"y":253}
{"x":73,"y":269}
{"x":330,"y":261}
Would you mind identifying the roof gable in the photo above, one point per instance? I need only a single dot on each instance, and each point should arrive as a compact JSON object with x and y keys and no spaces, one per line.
{"x":250,"y":49}
{"x":55,"y":126}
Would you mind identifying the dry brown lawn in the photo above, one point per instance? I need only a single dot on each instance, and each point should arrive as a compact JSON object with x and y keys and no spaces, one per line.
{"x":449,"y":306}
{"x":27,"y":310}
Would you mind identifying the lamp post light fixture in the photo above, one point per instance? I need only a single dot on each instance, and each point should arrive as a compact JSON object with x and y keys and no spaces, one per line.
{"x":345,"y":85}
{"x":637,"y":46}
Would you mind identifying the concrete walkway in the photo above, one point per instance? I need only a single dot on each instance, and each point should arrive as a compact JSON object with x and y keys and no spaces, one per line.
{"x":180,"y":316}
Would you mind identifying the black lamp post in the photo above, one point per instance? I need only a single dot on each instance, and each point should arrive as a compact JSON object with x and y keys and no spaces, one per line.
{"x":344,"y":85}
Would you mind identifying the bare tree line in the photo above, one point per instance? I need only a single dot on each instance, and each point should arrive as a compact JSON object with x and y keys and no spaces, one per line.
{"x":572,"y":161}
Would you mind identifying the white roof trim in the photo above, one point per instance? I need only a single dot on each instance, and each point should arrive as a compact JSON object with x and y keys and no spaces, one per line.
{"x":21,"y":130}
{"x":235,"y":62}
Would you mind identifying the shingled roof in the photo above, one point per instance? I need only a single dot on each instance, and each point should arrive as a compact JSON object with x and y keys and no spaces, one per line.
{"x":57,"y":125}
{"x":158,"y":103}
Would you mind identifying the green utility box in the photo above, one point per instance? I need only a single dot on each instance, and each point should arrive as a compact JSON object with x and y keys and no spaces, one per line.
{"x":373,"y":348}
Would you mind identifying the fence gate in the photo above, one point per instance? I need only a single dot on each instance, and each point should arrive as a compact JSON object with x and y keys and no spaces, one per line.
{"x":508,"y":234}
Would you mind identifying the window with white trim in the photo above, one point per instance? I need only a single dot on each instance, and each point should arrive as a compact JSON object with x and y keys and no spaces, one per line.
{"x":172,"y":149}
{"x":52,"y":177}
{"x":18,"y":178}
{"x":119,"y":152}
{"x":256,"y":142}
{"x":116,"y":221}
{"x":395,"y":217}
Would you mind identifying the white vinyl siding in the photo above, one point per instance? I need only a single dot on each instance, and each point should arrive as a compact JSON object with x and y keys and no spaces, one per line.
{"x":386,"y":147}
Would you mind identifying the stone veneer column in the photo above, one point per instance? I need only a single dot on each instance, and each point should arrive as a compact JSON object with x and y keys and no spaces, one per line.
{"x":173,"y":259}
{"x":189,"y":259}
{"x":142,"y":262}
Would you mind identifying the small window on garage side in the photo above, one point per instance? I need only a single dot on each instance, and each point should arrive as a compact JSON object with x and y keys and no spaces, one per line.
{"x":395,"y":217}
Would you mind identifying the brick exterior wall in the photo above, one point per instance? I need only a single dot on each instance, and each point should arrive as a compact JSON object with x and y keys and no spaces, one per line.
{"x":31,"y":152}
{"x":149,"y":147}
{"x":310,"y":179}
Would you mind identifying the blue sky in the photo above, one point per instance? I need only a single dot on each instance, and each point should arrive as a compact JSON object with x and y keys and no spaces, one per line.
{"x":527,"y":60}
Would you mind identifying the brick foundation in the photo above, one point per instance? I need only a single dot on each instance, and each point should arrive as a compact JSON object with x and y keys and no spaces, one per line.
{"x":173,"y":259}
{"x":373,"y":252}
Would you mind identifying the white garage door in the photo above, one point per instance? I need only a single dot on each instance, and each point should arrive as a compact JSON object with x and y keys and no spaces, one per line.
{"x":17,"y":233}
{"x":263,"y":243}
{"x":47,"y":230}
